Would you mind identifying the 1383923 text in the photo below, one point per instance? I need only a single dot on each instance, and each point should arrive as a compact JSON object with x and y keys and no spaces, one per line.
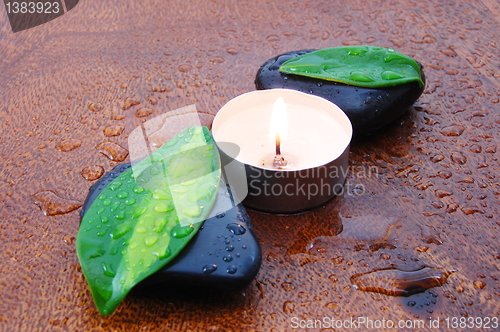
{"x":366,"y":323}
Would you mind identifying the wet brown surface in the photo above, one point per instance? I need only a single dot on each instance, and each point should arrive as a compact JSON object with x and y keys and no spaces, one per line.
{"x":74,"y":88}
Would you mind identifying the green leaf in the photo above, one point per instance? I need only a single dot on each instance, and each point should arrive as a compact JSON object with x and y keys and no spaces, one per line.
{"x":365,"y":66}
{"x":144,"y":217}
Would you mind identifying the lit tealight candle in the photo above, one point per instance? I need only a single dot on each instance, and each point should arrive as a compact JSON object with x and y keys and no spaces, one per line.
{"x":285,"y":138}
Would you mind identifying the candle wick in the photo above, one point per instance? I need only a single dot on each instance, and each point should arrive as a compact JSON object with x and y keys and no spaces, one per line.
{"x":278,"y":145}
{"x":279,"y":162}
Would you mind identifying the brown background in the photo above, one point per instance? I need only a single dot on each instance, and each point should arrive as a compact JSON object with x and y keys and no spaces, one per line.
{"x":434,"y":200}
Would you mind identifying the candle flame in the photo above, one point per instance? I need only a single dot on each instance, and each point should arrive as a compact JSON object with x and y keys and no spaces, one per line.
{"x":279,"y":120}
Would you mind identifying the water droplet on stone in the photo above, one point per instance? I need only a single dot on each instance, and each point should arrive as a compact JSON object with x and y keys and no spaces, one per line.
{"x":112,"y":150}
{"x":232,"y":269}
{"x":68,"y":144}
{"x":51,"y":204}
{"x":209,"y":268}
{"x":396,"y":282}
{"x":221,"y":215}
{"x":92,"y":172}
{"x":236,"y":229}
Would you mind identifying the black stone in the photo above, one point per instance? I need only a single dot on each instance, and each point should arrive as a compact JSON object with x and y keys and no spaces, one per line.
{"x":224,"y":254}
{"x":369,"y":109}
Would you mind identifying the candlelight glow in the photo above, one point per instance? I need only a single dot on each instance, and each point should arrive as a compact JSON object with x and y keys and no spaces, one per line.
{"x":279,"y":121}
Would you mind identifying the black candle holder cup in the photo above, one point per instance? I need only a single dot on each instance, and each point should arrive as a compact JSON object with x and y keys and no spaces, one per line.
{"x":284,"y":191}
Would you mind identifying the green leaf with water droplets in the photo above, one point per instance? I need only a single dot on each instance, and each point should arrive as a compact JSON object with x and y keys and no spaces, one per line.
{"x":365,"y":66}
{"x":146,"y":216}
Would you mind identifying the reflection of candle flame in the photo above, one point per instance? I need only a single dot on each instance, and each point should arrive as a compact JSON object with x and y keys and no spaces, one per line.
{"x":279,"y":130}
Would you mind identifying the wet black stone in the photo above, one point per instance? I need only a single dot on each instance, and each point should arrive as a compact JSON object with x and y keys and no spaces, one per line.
{"x":369,"y":109}
{"x":204,"y":262}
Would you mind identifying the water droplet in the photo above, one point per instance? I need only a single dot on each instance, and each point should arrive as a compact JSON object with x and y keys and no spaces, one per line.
{"x":129,"y":102}
{"x":440,"y":193}
{"x":152,"y":100}
{"x":445,"y":174}
{"x":161,"y":207}
{"x":68,"y":144}
{"x":217,"y":59}
{"x":220,"y":215}
{"x":185,"y":68}
{"x":130,"y":201}
{"x":230,"y":248}
{"x":160,"y":89}
{"x":108,"y":271}
{"x":181,"y":231}
{"x":150,"y":240}
{"x":193,"y":211}
{"x":138,"y":190}
{"x":113,"y":130}
{"x":459,"y":158}
{"x":209,"y":268}
{"x":361,"y":77}
{"x":112,"y":150}
{"x":96,"y":107}
{"x":453,"y":130}
{"x":92,"y":172}
{"x":122,"y":194}
{"x":479,"y":284}
{"x":390,"y":75}
{"x":227,"y":258}
{"x":120,"y":230}
{"x":288,"y":307}
{"x":232,"y":51}
{"x":468,"y":210}
{"x":236,"y":229}
{"x":288,"y":286}
{"x":115,"y":185}
{"x":143,"y":112}
{"x":476,"y":148}
{"x":51,"y":204}
{"x":273,"y":38}
{"x":232,"y":269}
{"x":396,"y":282}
